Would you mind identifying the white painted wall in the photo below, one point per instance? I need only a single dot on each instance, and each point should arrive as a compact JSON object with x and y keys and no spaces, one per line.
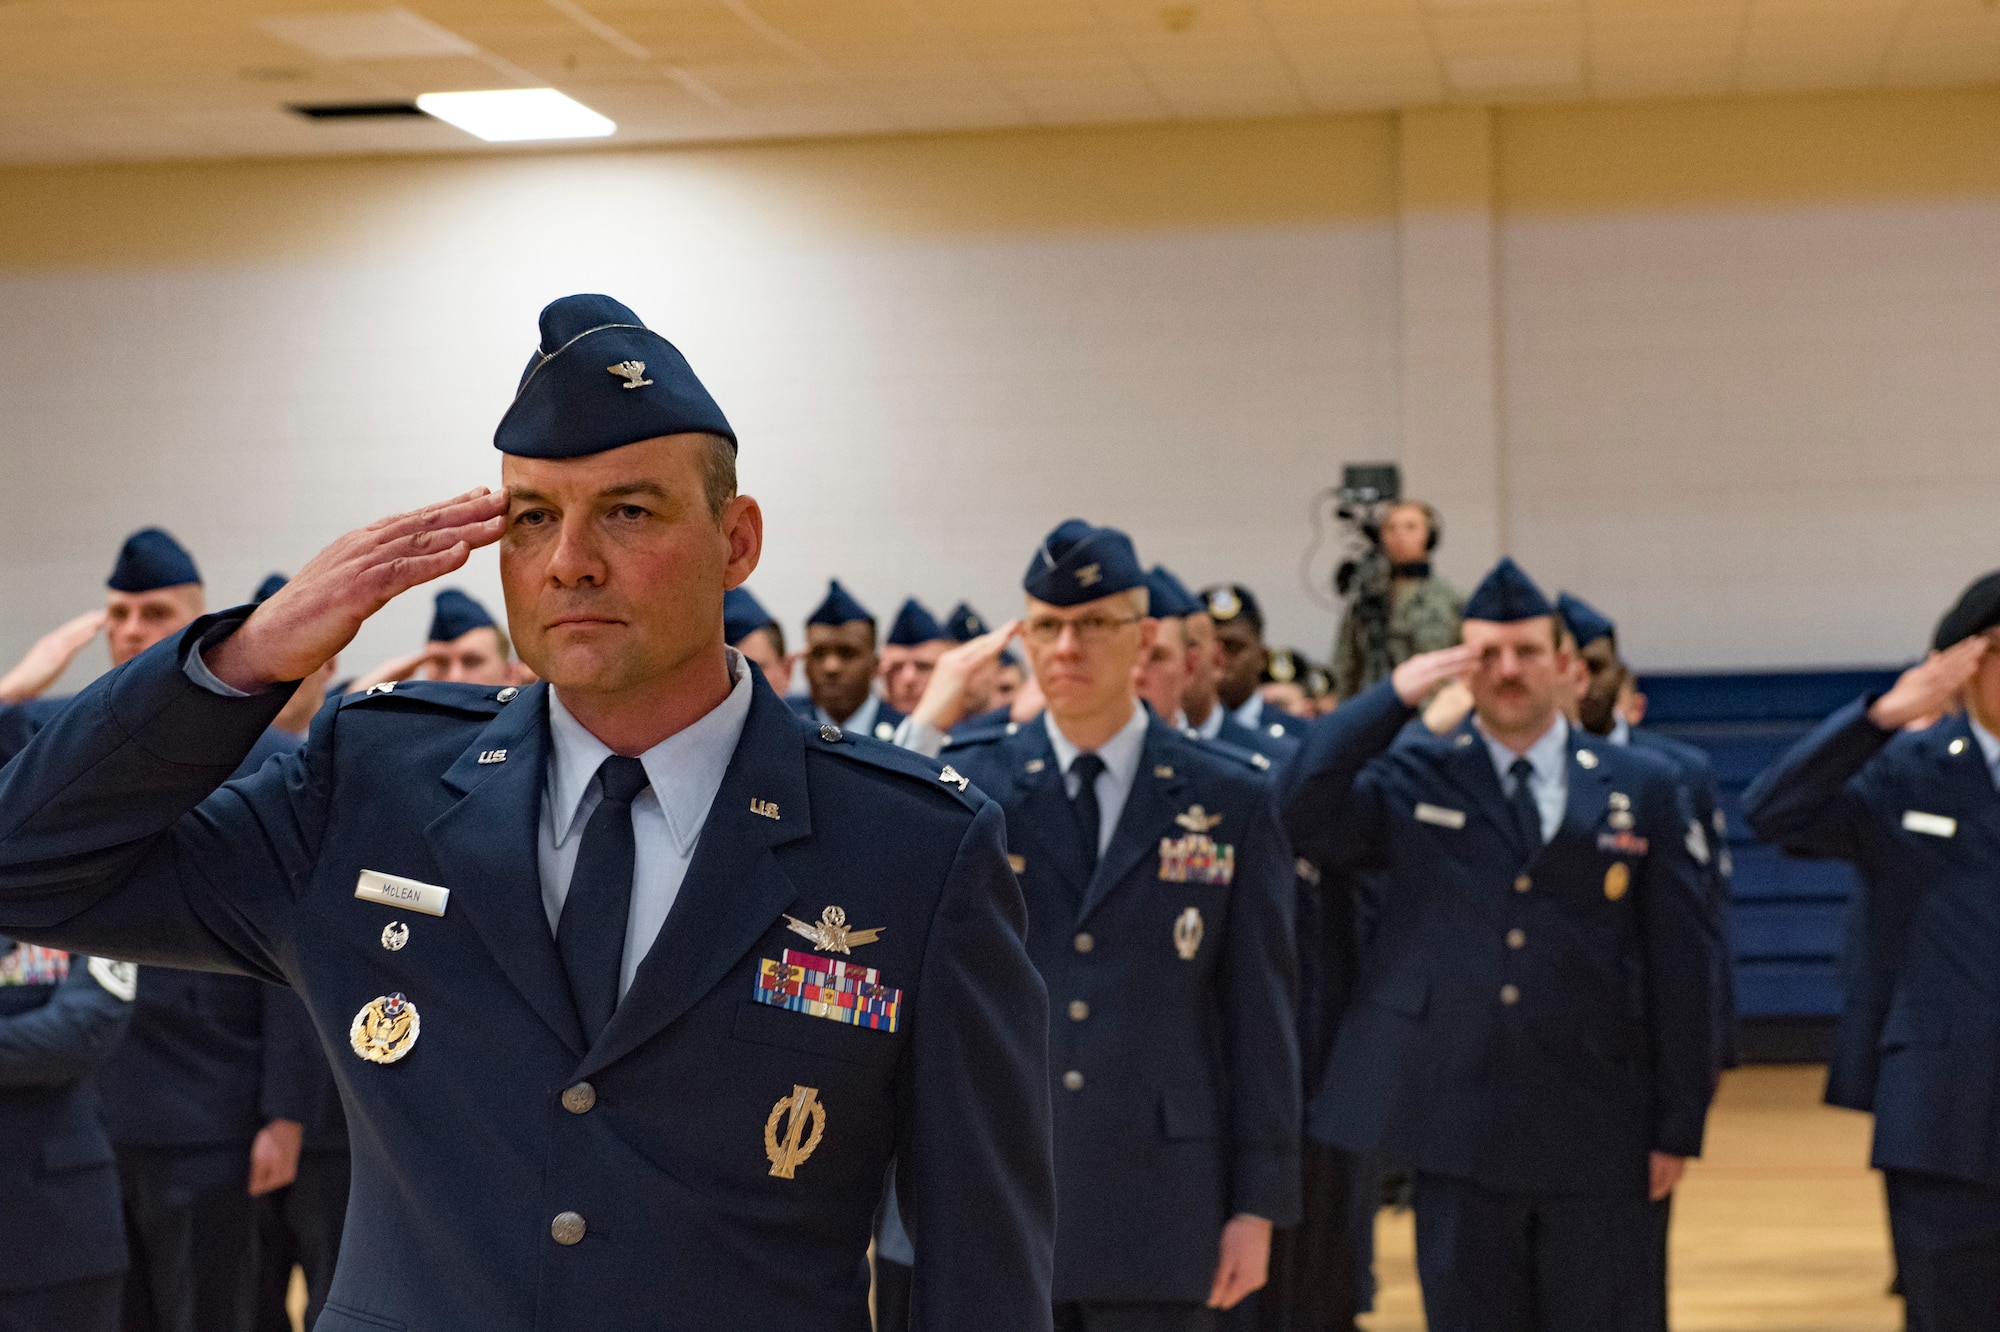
{"x":1762,"y":437}
{"x":914,"y":414}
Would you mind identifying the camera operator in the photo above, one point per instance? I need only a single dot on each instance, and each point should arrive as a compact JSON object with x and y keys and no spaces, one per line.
{"x":1399,"y":608}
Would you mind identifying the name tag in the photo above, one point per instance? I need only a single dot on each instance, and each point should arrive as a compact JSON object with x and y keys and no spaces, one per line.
{"x":1440,"y":816}
{"x":375,"y":886}
{"x":1932,"y":825}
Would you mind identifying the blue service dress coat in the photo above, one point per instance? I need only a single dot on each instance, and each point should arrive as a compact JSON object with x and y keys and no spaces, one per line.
{"x":60,"y":1221}
{"x":1919,"y":1035}
{"x":506,"y":1175}
{"x":1534,"y":1019}
{"x":1173,"y":1061}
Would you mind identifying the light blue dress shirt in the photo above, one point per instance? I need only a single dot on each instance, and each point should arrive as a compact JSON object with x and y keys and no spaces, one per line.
{"x":1251,"y":714}
{"x":685,"y":770}
{"x":1121,"y":768}
{"x":1212,"y":725}
{"x":1989,"y":745}
{"x":861,"y":723}
{"x":1549,"y":780}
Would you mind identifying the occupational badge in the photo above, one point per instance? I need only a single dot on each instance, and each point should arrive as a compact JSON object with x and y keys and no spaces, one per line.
{"x":385,"y":1030}
{"x":1187,"y":933}
{"x":1616,"y":880}
{"x":803,"y":1121}
{"x":394,"y":935}
{"x":830,"y":933}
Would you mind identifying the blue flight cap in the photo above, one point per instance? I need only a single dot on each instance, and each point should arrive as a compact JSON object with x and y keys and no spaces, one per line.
{"x":1585,"y":621}
{"x":1168,"y":595}
{"x":1078,"y":563}
{"x":1977,"y":610}
{"x":839,"y":607}
{"x":742,"y":615}
{"x":964,"y":624}
{"x":600,"y":380}
{"x":150,"y":560}
{"x":268,"y":588}
{"x":456,"y":614}
{"x":913,"y":625}
{"x":1505,"y":595}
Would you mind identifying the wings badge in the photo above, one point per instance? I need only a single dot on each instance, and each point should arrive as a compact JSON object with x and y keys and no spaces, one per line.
{"x":831,"y":932}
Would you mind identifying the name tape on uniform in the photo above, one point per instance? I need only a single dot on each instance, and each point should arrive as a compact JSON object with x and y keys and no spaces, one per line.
{"x":389,"y":890}
{"x":1440,"y":816}
{"x":1934,"y":825}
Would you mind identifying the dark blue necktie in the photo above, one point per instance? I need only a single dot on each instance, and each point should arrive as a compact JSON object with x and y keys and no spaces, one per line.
{"x":1089,"y":817}
{"x":1527,"y":814}
{"x":590,"y":932}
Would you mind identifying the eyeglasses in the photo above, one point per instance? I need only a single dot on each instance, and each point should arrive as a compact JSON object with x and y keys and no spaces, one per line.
{"x":1091,"y":630}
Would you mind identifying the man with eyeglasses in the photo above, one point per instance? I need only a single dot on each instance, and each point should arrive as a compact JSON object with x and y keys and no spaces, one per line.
{"x":1159,"y":889}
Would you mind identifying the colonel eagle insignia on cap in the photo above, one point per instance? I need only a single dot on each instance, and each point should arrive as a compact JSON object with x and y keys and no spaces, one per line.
{"x":634,"y":372}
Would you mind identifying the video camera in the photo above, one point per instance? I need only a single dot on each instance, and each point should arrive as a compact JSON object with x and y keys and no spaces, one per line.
{"x":1367,"y":492}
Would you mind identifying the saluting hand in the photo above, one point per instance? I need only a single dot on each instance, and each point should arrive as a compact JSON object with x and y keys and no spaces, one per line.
{"x":49,"y":658}
{"x":1414,"y":680}
{"x":1929,"y":686}
{"x":943,"y":704}
{"x":318,"y":613}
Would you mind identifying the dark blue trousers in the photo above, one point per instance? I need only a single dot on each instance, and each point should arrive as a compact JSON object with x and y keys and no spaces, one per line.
{"x":1134,"y":1318}
{"x":89,"y":1305}
{"x":1947,"y":1237}
{"x":1526,"y":1262}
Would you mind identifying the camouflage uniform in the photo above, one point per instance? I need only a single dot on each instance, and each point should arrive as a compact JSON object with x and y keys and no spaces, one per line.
{"x":1424,"y":618}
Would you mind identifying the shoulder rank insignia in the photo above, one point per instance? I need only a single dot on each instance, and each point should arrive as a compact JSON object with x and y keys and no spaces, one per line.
{"x":1197,"y":819}
{"x":951,"y":777}
{"x":633,"y":373}
{"x":385,"y":1030}
{"x":830,"y":933}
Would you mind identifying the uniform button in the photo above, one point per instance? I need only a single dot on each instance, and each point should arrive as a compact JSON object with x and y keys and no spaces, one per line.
{"x":1522,"y":883}
{"x":1078,"y":1010}
{"x":1084,"y":943}
{"x":567,"y":1228}
{"x":1072,"y":1081}
{"x":1510,"y":994}
{"x":579,"y":1099}
{"x":1515,"y":938}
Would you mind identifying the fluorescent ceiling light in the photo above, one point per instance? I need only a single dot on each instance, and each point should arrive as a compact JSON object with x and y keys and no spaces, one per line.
{"x":510,"y":115}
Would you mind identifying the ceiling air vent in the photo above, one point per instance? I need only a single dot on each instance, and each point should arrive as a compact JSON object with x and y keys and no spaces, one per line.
{"x":356,"y":110}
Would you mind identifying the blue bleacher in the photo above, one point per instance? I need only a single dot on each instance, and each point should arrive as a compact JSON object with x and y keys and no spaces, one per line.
{"x":1785,"y":914}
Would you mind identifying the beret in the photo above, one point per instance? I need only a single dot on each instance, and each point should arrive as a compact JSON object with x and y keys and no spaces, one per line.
{"x":600,"y":379}
{"x":838,"y":607}
{"x":456,"y":614}
{"x":1978,"y":610}
{"x":268,"y":588}
{"x":1166,"y":595}
{"x":1585,"y":621}
{"x":742,"y":615}
{"x":914,"y":625}
{"x":964,"y":623}
{"x":1077,"y":563}
{"x":1505,"y":595}
{"x":1230,"y":601}
{"x":149,"y":560}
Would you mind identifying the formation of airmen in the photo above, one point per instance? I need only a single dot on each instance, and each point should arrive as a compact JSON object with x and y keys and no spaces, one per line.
{"x":1088,"y":971}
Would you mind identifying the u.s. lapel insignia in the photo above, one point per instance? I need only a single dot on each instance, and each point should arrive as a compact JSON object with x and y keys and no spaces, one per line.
{"x":394,"y":935}
{"x":492,"y":756}
{"x":1616,"y":880}
{"x":385,"y":1030}
{"x":950,"y":777}
{"x":1197,"y":819}
{"x":767,"y":808}
{"x":830,"y":933}
{"x":804,"y":1120}
{"x":632,"y":372}
{"x":1188,"y":930}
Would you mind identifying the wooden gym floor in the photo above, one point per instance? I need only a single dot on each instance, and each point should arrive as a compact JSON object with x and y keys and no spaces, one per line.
{"x":1778,"y":1228}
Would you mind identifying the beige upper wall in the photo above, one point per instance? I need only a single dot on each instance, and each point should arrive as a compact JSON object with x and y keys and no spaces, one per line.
{"x":1640,"y":155}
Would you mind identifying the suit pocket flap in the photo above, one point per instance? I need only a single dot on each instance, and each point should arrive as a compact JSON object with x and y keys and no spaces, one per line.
{"x":1188,"y":1112}
{"x":77,"y":1150}
{"x":1913,"y":1026}
{"x":1402,"y":993}
{"x":766,"y":1025}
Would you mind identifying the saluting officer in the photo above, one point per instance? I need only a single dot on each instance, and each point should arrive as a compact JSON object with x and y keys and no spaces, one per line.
{"x":464,"y":646}
{"x":634,"y":983}
{"x":909,"y":654}
{"x":1531,"y":1023}
{"x":62,"y":1239}
{"x":1919,"y":1041}
{"x":841,"y":665}
{"x":1159,"y":891}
